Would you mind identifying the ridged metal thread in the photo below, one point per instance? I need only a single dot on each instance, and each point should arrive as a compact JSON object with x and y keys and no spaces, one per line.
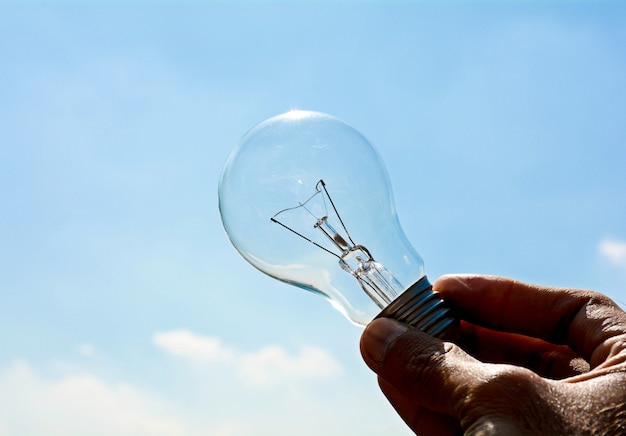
{"x":421,"y":307}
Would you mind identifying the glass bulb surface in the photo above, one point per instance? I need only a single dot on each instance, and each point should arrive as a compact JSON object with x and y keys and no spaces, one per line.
{"x":306,"y":199}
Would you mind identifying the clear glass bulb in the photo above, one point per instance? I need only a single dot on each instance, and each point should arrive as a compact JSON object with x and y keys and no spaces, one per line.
{"x":305,"y":199}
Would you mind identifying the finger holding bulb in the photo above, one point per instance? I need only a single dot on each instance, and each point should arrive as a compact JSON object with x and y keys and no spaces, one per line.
{"x":530,"y":360}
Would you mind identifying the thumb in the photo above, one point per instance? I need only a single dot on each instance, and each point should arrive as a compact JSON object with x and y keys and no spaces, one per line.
{"x":436,"y":375}
{"x":433,"y":383}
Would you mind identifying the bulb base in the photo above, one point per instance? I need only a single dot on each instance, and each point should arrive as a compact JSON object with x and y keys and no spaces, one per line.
{"x":421,"y":307}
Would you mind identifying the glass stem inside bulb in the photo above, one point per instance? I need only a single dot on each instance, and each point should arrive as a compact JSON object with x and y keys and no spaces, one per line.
{"x":376,"y":280}
{"x":336,"y":238}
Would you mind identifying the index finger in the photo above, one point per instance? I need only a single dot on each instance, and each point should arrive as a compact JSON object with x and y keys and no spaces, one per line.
{"x":589,"y":322}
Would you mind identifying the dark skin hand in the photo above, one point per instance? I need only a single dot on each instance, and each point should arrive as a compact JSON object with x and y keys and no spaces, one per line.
{"x":530,"y":360}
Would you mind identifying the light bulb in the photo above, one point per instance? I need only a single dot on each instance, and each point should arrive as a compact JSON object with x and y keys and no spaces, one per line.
{"x":305,"y":199}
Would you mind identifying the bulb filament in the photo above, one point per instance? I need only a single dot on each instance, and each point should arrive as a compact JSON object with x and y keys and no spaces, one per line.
{"x":376,"y":280}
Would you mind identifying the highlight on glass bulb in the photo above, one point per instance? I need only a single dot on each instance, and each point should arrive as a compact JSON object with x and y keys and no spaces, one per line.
{"x":305,"y":199}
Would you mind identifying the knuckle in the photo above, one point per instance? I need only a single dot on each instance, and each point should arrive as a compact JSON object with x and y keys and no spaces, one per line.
{"x":507,"y":395}
{"x":504,"y":385}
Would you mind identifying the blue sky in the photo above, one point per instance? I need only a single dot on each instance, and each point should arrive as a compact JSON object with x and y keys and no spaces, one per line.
{"x":124,"y":310}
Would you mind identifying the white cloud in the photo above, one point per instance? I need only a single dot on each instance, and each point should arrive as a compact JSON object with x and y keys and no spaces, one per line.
{"x":184,"y":343}
{"x":271,"y":365}
{"x":86,"y":349}
{"x":614,"y":251}
{"x":83,"y":404}
{"x":77,"y":405}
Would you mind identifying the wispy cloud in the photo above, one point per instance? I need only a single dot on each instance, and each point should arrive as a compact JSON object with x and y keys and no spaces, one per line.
{"x":78,"y":404}
{"x":268,"y":366}
{"x":614,"y":251}
{"x":86,"y":349}
{"x":184,"y":343}
{"x":273,"y":363}
{"x":34,"y":403}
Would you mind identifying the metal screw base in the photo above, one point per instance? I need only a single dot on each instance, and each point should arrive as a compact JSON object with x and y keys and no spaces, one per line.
{"x":421,"y":307}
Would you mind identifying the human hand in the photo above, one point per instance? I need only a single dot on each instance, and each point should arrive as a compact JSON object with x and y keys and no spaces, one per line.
{"x":530,"y":360}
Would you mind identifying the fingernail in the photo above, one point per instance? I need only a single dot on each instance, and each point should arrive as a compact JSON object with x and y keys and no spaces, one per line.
{"x":379,"y":336}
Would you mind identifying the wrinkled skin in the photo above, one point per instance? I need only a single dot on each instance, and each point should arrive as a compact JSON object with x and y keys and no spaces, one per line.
{"x":529,"y":360}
